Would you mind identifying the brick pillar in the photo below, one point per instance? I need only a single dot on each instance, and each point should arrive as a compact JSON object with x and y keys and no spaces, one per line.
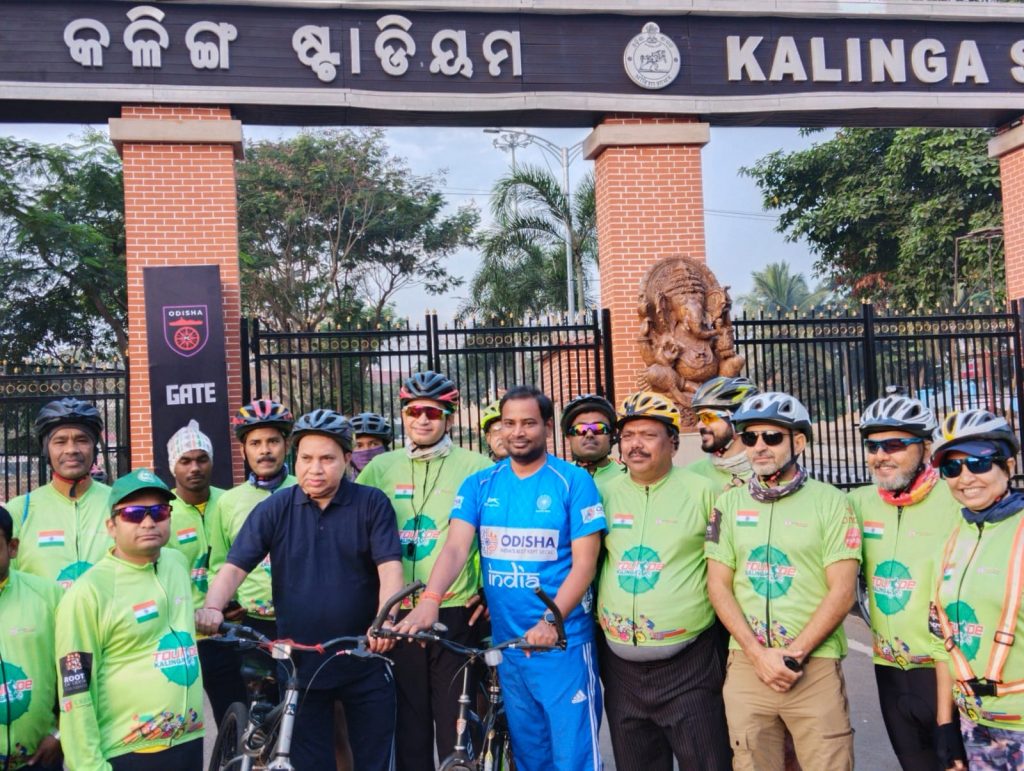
{"x":1008,"y":147}
{"x":180,"y":208}
{"x":650,"y":205}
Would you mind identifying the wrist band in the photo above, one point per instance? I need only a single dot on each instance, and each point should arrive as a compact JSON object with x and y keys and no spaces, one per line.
{"x":430,"y":596}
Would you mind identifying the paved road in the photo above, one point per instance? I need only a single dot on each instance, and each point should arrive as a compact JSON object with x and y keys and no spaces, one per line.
{"x":872,"y":745}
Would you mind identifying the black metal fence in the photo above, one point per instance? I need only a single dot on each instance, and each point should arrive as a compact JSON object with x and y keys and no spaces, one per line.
{"x":24,"y":389}
{"x":838,"y":364}
{"x":357,"y":369}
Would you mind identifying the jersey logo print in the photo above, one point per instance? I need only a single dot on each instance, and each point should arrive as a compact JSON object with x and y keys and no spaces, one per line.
{"x":76,"y":673}
{"x":516,"y":543}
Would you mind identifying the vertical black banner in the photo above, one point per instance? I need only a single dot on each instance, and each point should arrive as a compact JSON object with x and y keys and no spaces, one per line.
{"x":187,"y":361}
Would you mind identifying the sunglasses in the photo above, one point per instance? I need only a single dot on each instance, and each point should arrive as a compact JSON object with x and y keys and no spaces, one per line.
{"x":950,"y":469}
{"x":158,"y":512}
{"x":597,"y":429}
{"x":707,"y":417}
{"x":432,"y":413}
{"x":771,"y":438}
{"x":891,"y":446}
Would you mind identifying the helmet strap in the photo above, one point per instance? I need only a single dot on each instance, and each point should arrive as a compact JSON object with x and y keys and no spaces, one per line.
{"x":71,"y":483}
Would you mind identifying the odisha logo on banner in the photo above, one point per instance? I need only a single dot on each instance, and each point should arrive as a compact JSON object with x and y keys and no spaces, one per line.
{"x":186,"y":328}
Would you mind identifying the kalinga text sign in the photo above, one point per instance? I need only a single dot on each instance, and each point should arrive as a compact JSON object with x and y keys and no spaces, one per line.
{"x":187,"y":370}
{"x":295,"y":64}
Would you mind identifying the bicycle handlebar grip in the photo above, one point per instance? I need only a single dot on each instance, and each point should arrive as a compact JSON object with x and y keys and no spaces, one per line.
{"x":559,"y":621}
{"x":385,"y":611}
{"x":226,"y":628}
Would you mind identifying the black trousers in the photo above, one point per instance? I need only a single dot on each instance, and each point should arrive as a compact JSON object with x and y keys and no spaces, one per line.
{"x":429,"y":682}
{"x":670,"y":709}
{"x":367,"y":692}
{"x":907,"y":698}
{"x":182,"y":757}
{"x":222,"y":678}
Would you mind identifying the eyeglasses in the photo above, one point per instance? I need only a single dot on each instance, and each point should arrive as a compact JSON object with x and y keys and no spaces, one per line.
{"x":432,"y":413}
{"x":135,"y":514}
{"x":707,"y":417}
{"x":891,"y":446}
{"x":597,"y":429}
{"x":951,"y":468}
{"x":771,"y":438}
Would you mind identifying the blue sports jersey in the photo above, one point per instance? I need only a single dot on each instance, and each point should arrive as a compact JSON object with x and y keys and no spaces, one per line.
{"x":526,"y":529}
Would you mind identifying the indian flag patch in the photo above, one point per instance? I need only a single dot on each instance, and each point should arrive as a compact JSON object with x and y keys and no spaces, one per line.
{"x":874,"y":529}
{"x":622,"y":521}
{"x":188,"y":535}
{"x":145,"y":611}
{"x":51,"y":538}
{"x":747,"y":518}
{"x":404,"y":491}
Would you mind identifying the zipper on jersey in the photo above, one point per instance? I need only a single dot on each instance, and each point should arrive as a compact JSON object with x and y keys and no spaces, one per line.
{"x":643,"y":538}
{"x":181,"y":645}
{"x":892,"y":558}
{"x":768,"y":581}
{"x":963,"y":575}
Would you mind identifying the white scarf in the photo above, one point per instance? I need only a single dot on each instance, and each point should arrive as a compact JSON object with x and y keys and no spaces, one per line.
{"x":437,"y":450}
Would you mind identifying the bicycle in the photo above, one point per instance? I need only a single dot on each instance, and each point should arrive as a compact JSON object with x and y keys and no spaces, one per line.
{"x":258,"y":737}
{"x":491,"y":730}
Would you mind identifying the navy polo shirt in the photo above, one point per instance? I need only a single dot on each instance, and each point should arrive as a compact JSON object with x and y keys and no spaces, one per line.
{"x":323,"y":562}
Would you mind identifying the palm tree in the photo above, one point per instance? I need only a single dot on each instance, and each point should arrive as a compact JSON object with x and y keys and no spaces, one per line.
{"x":523,"y":265}
{"x":778,"y":290}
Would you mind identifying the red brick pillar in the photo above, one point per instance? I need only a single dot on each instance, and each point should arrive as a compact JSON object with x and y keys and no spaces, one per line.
{"x":1008,"y":147}
{"x":180,"y":208}
{"x":650,"y":205}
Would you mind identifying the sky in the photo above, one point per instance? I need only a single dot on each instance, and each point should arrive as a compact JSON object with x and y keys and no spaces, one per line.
{"x":741,"y":236}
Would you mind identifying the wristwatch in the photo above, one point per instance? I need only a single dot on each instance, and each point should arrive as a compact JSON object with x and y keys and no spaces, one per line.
{"x":548,"y":617}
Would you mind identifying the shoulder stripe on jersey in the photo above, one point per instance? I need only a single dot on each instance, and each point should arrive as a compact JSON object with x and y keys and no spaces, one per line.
{"x":559,"y":475}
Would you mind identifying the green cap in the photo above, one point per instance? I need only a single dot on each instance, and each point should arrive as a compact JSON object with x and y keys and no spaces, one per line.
{"x":140,"y":479}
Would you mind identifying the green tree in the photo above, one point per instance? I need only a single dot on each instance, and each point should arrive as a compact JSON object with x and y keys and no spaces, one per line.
{"x":332,"y":225}
{"x":883,"y":208}
{"x":63,"y":250}
{"x":778,"y":290}
{"x":523,"y":253}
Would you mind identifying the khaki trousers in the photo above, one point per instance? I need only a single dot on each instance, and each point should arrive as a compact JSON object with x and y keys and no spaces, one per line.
{"x":815,"y":711}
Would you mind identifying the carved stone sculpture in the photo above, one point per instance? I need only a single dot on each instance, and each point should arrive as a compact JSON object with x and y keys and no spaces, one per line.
{"x":686,"y":334}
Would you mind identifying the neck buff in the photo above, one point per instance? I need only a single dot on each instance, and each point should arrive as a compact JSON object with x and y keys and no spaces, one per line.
{"x":1002,"y":509}
{"x":438,"y":450}
{"x":771,"y":494}
{"x":915,"y":492}
{"x":361,"y":457}
{"x":269,"y":483}
{"x":737,"y":465}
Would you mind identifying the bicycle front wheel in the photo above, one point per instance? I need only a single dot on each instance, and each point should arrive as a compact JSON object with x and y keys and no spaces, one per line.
{"x":228,"y":746}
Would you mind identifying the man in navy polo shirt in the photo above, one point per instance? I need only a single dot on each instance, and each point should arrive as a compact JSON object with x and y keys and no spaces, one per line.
{"x":336,"y":555}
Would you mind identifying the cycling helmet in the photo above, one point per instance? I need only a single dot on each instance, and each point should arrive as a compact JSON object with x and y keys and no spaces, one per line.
{"x":429,"y":385}
{"x":587,"y":403}
{"x":898,"y":413}
{"x":723,"y":393}
{"x":371,"y":424}
{"x":969,"y":426}
{"x":326,"y":422}
{"x":647,"y":404}
{"x":776,"y":408}
{"x":262,"y":413}
{"x":65,"y":412}
{"x":489,"y":414}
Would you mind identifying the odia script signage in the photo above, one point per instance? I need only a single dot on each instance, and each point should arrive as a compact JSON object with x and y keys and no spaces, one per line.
{"x":945,"y":63}
{"x":187,"y":369}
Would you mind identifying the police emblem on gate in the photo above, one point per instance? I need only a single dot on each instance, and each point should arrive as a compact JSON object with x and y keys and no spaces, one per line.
{"x":186,"y":328}
{"x":651,"y":59}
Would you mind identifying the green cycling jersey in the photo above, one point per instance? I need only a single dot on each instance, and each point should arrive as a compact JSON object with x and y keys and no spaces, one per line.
{"x":189,"y":527}
{"x":28,"y":684}
{"x":127,"y":661}
{"x":606,"y":474}
{"x":422,"y":493}
{"x":60,"y":537}
{"x":779,"y":551}
{"x":233,"y":508}
{"x":902,"y":553}
{"x":652,"y":589}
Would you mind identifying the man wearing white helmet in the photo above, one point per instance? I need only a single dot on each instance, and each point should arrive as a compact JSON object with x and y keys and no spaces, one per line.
{"x":783,"y":553}
{"x":906,"y":519}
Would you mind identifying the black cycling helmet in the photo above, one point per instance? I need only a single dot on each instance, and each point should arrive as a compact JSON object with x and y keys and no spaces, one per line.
{"x":262,"y":413}
{"x":326,"y":422}
{"x":723,"y":393}
{"x":372,"y":424}
{"x":587,"y":403}
{"x":67,"y":412}
{"x":429,"y":385}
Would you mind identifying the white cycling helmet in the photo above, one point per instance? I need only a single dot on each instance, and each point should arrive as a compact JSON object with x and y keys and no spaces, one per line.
{"x":776,"y":408}
{"x":898,"y":413}
{"x":961,"y":429}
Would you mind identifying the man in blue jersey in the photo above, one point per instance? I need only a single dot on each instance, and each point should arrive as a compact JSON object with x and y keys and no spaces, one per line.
{"x":539,"y":521}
